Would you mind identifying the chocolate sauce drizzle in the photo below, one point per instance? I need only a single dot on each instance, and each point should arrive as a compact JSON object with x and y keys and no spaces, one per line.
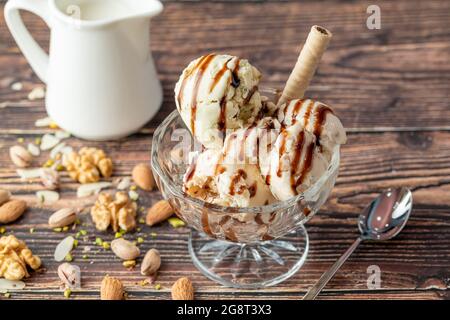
{"x":305,"y":169}
{"x":296,"y":160}
{"x":320,"y":115}
{"x":223,"y":114}
{"x":250,"y":94}
{"x":236,"y":177}
{"x":282,"y":150}
{"x":186,"y":77}
{"x":258,"y":219}
{"x":246,"y":134}
{"x":219,"y":75}
{"x":252,"y":189}
{"x":191,"y":171}
{"x":201,"y":67}
{"x":205,"y":223}
{"x":298,"y":105}
{"x":235,"y":81}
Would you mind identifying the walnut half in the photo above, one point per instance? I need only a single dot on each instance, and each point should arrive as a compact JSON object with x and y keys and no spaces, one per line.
{"x":15,"y":256}
{"x":120,"y":212}
{"x":88,"y":164}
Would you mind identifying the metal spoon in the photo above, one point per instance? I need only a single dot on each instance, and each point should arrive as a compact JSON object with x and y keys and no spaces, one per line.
{"x":383,"y":219}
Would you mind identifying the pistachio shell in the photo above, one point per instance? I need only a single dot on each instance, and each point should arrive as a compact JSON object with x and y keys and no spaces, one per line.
{"x":62,"y":218}
{"x":124,"y":249}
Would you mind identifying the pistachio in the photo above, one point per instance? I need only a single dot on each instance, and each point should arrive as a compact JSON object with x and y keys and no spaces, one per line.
{"x":20,"y":156}
{"x":124,"y":249}
{"x":50,"y":178}
{"x":129,"y":263}
{"x":62,"y":218}
{"x":70,"y":275}
{"x":151,"y":262}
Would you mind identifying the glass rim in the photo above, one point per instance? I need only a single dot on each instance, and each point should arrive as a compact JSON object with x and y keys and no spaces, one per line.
{"x":177,"y":190}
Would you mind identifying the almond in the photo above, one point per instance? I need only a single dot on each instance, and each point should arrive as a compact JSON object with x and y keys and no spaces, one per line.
{"x":5,"y":195}
{"x":183,"y":289}
{"x":143,"y":176}
{"x":20,"y":156}
{"x":159,"y":212}
{"x":12,"y":210}
{"x":111,"y":289}
{"x":124,"y":249}
{"x":62,"y":218}
{"x":151,"y":262}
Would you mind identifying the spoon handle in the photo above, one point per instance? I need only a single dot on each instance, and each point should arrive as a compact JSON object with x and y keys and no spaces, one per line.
{"x":315,"y":290}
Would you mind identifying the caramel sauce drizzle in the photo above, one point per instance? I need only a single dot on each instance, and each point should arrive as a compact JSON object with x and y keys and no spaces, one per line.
{"x":201,"y":67}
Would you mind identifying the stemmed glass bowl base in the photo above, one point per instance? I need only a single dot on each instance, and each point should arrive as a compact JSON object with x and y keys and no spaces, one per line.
{"x":249,"y":266}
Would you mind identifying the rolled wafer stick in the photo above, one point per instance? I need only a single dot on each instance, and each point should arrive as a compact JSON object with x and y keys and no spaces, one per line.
{"x":306,"y":64}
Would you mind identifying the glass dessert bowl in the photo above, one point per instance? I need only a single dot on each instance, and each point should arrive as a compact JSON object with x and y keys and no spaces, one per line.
{"x":249,"y":247}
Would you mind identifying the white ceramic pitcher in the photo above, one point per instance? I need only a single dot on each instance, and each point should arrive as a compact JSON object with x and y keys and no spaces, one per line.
{"x":100,"y":76}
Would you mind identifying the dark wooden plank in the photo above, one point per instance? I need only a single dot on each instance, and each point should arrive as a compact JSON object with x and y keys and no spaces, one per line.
{"x":413,"y":265}
{"x":376,"y":79}
{"x":395,"y":79}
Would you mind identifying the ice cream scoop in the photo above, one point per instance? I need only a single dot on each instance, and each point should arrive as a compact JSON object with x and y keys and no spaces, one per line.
{"x":316,"y":118}
{"x":296,"y":162}
{"x":252,"y":145}
{"x":216,"y":178}
{"x":199,"y":181}
{"x":215,"y":93}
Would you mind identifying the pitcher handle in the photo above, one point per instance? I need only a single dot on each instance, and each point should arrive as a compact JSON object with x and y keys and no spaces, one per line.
{"x":35,"y":55}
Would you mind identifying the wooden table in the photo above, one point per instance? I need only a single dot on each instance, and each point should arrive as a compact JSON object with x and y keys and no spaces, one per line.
{"x":391,"y":88}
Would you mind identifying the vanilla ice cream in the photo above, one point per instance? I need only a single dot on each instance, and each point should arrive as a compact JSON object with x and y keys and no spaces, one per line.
{"x":215,"y":177}
{"x":317,"y":118}
{"x":296,"y":162}
{"x":215,"y":93}
{"x":255,"y":152}
{"x":252,"y":145}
